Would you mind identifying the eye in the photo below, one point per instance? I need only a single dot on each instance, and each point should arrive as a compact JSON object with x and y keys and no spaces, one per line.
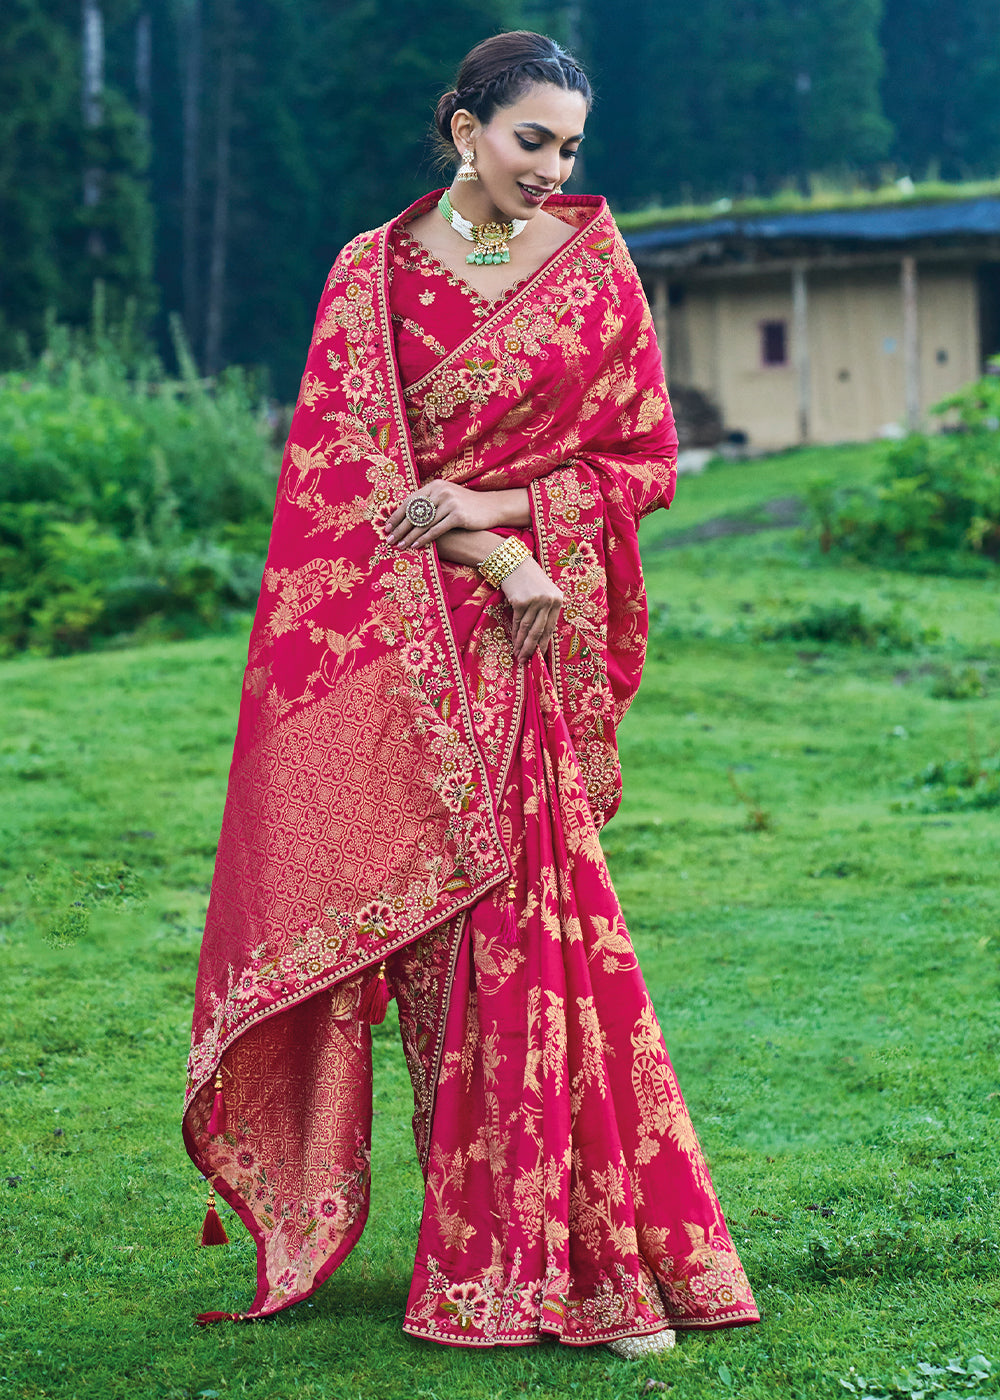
{"x":569,"y":155}
{"x":529,"y":145}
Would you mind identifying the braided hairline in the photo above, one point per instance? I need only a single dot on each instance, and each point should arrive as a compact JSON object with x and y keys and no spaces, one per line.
{"x":541,"y":70}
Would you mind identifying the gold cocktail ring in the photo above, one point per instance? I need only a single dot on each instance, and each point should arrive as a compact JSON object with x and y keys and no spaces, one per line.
{"x":421,"y":511}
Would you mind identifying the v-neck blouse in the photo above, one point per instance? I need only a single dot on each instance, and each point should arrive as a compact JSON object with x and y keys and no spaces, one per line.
{"x":424,"y":293}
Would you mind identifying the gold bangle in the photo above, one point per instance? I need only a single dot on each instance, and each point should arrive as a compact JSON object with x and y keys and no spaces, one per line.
{"x":502,"y":561}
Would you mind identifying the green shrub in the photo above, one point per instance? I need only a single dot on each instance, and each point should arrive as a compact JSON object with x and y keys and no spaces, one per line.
{"x":960,"y":784}
{"x":126,"y":498}
{"x":937,"y":506}
{"x":844,"y":624}
{"x":958,"y":683}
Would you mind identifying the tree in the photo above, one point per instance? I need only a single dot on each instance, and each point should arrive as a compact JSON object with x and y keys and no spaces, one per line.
{"x":62,"y":230}
{"x":942,"y":85}
{"x":732,"y":95}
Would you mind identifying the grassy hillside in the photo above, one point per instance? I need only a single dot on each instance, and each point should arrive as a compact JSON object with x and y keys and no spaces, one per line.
{"x":820,"y":935}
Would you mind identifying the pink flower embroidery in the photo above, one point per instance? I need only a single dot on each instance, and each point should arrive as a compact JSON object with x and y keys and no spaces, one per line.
{"x":579,"y":291}
{"x":457,"y":791}
{"x":467,"y":1301}
{"x":357,"y":384}
{"x":416,"y":655}
{"x":375,"y":920}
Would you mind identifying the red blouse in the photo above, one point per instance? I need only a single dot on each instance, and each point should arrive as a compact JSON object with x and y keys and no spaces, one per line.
{"x":417,"y":283}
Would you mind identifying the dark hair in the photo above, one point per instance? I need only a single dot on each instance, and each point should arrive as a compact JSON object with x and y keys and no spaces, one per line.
{"x":499,"y":71}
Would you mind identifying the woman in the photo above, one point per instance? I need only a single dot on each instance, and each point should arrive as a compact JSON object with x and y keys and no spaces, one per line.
{"x":451,"y":626}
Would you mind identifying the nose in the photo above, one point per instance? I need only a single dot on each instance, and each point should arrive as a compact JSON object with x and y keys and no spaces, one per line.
{"x":547,"y":170}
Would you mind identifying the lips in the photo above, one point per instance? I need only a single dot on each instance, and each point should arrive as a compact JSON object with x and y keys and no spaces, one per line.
{"x":533,"y":194}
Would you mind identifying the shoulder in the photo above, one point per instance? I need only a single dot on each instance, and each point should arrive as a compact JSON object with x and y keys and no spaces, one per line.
{"x":361,"y":248}
{"x":365,"y":248}
{"x":619,"y":258}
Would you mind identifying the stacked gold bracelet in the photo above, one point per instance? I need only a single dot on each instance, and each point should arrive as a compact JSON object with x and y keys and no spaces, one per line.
{"x":503,"y":560}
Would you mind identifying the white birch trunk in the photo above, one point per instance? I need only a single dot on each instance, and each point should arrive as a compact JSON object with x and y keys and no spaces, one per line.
{"x":220,"y":211}
{"x":191,"y":39}
{"x":92,"y":39}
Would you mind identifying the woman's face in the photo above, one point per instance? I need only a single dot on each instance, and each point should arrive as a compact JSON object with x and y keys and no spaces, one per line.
{"x":527,"y":150}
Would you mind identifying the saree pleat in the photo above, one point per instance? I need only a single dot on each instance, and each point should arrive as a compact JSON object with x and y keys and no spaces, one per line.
{"x":414,"y":796}
{"x":566,"y":1190}
{"x":557,"y":1121}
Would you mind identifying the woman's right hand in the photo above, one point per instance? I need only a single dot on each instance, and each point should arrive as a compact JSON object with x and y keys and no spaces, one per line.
{"x":535,"y":601}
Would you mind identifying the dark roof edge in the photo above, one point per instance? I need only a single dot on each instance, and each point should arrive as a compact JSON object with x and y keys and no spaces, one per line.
{"x":881,"y":224}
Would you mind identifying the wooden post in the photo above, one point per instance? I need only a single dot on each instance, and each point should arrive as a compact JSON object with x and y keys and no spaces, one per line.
{"x":800,"y":347}
{"x":911,"y":342}
{"x":661,"y":319}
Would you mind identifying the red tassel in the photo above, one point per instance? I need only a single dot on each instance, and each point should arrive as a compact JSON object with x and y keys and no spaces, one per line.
{"x":203,"y":1319}
{"x":508,"y":927}
{"x":375,"y":999}
{"x":213,"y":1231}
{"x":217,"y":1119}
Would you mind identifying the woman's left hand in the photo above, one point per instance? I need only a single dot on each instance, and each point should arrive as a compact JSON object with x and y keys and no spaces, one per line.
{"x":457,"y":508}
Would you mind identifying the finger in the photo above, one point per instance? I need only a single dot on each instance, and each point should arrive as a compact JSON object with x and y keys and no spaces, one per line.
{"x":515,"y":626}
{"x":440,"y":527}
{"x":540,"y":633}
{"x":402,"y":536}
{"x":405,"y":533}
{"x":420,"y":537}
{"x":524,"y":631}
{"x":399,"y":517}
{"x":530,"y":645}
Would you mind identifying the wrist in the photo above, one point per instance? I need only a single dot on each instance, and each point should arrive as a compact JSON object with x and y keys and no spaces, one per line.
{"x":514,"y":507}
{"x":501,"y":562}
{"x":470,"y":547}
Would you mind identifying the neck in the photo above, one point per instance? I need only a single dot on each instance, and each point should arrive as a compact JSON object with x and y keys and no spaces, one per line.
{"x":474,"y":204}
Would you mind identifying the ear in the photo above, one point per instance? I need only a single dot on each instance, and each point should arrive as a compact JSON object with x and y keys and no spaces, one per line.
{"x":464,"y":129}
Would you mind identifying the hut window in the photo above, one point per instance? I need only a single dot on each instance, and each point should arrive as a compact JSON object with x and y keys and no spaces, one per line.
{"x":774,"y":342}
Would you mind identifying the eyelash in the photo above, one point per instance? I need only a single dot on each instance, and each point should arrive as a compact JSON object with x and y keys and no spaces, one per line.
{"x":536,"y":146}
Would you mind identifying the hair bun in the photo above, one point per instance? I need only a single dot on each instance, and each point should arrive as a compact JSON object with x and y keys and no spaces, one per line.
{"x":448,"y":105}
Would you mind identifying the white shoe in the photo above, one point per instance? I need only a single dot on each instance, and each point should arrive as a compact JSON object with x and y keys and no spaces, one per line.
{"x":633,"y":1348}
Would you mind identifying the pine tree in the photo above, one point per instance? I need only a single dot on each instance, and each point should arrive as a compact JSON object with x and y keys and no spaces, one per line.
{"x":57,"y":238}
{"x":942,"y":85}
{"x":731,"y":96}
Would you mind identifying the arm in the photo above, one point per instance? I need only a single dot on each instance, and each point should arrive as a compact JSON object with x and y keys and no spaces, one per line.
{"x":533,"y":597}
{"x":459,"y":508}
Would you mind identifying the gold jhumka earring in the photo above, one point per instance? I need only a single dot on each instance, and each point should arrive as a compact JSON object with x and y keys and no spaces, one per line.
{"x":467,"y":170}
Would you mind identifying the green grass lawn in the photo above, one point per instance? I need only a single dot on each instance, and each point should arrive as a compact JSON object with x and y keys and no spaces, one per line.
{"x":820,"y":939}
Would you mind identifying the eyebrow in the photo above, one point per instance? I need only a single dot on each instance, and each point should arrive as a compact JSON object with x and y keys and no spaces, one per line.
{"x":544,"y":131}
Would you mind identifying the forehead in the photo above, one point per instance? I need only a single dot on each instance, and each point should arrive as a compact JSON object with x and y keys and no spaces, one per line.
{"x":561,"y":112}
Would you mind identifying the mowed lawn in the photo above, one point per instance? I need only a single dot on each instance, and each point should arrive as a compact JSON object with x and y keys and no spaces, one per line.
{"x":820,"y":937}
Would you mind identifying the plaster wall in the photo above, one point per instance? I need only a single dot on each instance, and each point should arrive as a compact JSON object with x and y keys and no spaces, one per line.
{"x":855,"y":346}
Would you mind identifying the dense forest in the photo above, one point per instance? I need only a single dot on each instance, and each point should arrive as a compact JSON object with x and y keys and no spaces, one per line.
{"x":208,"y":157}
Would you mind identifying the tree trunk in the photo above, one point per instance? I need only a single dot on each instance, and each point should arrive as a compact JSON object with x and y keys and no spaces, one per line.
{"x":220,"y":212}
{"x":144,"y":67}
{"x":92,"y":36}
{"x":191,"y":40}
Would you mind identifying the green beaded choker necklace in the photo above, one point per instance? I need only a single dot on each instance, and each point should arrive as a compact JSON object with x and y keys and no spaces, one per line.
{"x":490,"y":239}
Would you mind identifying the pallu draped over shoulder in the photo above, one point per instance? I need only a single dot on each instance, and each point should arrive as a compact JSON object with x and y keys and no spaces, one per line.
{"x":405,"y":796}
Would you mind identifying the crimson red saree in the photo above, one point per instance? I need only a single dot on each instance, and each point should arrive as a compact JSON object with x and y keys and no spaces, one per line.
{"x":404,"y":794}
